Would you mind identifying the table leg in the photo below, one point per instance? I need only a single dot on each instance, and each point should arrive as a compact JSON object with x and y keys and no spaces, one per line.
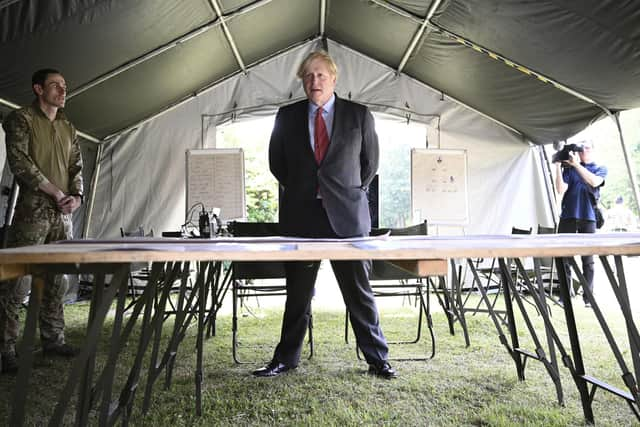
{"x":84,"y":391}
{"x":578,"y":375}
{"x":202,"y":304}
{"x":114,"y":350}
{"x":505,"y":270}
{"x":26,"y":352}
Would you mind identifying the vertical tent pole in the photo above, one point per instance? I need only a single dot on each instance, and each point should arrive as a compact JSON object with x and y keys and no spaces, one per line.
{"x":548,"y":184}
{"x":92,"y":194}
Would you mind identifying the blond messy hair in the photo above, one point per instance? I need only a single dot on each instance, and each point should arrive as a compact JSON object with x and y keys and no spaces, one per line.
{"x":319,"y":54}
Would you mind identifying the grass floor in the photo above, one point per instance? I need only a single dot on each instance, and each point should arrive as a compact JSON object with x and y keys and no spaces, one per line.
{"x":475,"y":386}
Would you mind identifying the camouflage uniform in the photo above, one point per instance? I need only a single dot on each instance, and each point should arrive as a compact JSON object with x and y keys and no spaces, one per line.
{"x":39,"y":150}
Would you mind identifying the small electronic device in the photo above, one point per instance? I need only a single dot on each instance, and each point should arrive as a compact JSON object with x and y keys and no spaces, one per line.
{"x":204,"y":224}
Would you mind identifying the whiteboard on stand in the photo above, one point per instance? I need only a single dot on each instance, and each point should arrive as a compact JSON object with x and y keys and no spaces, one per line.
{"x":439,"y":186}
{"x":215,"y":178}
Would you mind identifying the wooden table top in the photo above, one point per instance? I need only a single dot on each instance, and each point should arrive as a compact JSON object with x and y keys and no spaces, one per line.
{"x":282,"y":249}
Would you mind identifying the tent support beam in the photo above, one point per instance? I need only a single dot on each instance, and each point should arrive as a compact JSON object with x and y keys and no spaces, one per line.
{"x":418,"y":35}
{"x":397,"y":11}
{"x":143,"y":58}
{"x":519,"y":67}
{"x":468,"y":43}
{"x":323,"y":40}
{"x":84,"y":135}
{"x":457,"y":101}
{"x":92,"y":197}
{"x":7,"y":3}
{"x":550,"y":189}
{"x":323,"y":16}
{"x":627,"y":160}
{"x":198,"y":93}
{"x":155,"y":52}
{"x":227,"y":34}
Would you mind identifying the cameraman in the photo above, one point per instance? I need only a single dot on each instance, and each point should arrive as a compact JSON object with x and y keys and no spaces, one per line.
{"x":578,"y":181}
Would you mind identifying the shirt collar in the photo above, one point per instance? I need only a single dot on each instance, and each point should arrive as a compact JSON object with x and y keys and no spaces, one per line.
{"x":328,"y":107}
{"x":60,"y":115}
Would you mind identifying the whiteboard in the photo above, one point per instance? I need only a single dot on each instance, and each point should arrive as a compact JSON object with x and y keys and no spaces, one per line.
{"x":439,"y":186}
{"x":215,"y":178}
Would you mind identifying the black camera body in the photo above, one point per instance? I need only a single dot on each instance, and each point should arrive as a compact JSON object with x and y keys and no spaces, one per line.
{"x":563,"y":155}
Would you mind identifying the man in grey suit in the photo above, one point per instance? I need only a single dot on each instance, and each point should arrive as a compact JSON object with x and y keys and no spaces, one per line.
{"x":324,"y":152}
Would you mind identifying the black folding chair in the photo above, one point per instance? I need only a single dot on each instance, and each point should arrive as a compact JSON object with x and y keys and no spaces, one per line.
{"x":389,"y":280}
{"x":139,"y":272}
{"x":244,"y":275}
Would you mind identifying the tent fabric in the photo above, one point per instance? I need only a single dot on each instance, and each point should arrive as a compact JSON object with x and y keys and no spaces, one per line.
{"x":535,"y":109}
{"x":139,"y":176}
{"x":160,"y":52}
{"x":592,"y":46}
{"x":142,"y":75}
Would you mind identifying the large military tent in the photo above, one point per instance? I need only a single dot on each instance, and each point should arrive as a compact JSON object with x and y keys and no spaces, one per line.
{"x":497,"y":78}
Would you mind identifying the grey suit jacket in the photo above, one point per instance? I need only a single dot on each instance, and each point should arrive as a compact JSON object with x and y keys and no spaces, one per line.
{"x":342,"y":178}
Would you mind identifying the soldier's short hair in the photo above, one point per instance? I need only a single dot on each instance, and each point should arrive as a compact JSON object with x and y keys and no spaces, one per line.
{"x":40,"y":76}
{"x":321,"y":54}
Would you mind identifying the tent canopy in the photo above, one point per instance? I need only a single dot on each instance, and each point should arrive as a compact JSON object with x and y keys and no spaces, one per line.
{"x":544,"y":69}
{"x":152,"y":79}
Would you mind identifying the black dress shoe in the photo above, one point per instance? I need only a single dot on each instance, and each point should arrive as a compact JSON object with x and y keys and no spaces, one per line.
{"x":62,"y":350}
{"x":272,"y":369}
{"x":383,"y":371}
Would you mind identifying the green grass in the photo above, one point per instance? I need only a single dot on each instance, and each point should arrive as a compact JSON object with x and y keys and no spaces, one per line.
{"x":475,"y":386}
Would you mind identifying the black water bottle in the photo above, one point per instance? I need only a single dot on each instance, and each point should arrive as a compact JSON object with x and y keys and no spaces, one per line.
{"x":204,"y":225}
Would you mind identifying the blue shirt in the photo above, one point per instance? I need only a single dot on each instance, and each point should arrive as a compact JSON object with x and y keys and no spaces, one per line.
{"x":327,"y":115}
{"x":577,"y":202}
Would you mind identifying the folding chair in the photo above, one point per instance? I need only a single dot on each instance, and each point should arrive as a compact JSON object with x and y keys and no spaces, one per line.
{"x":139,"y":272}
{"x":510,"y":263}
{"x":491,"y":276}
{"x":388,"y":280}
{"x":547,"y":275}
{"x":244,"y":274}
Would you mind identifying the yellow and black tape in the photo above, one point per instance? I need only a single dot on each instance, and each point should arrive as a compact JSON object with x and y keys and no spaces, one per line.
{"x":497,"y":57}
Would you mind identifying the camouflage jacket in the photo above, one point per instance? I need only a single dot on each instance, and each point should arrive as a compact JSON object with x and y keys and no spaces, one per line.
{"x":39,"y":150}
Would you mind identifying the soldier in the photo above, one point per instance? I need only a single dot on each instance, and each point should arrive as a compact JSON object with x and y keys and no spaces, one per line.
{"x":44,"y":155}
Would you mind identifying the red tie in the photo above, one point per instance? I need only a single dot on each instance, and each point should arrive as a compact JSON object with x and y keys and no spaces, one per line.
{"x":321,"y":138}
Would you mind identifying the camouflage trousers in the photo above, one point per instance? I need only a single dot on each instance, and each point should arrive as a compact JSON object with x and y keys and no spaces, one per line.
{"x":44,"y":225}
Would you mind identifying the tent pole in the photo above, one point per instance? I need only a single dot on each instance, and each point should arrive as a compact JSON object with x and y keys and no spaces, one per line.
{"x":227,"y":33}
{"x":418,"y":35}
{"x":80,"y":133}
{"x":548,"y":183}
{"x":11,"y":207}
{"x":197,"y":93}
{"x":7,"y":3}
{"x":523,"y":69}
{"x":172,"y":44}
{"x":323,"y":16}
{"x":92,"y":196}
{"x":627,"y":160}
{"x":400,"y":12}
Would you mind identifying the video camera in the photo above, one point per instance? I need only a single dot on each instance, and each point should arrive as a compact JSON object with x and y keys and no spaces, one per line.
{"x":563,"y":154}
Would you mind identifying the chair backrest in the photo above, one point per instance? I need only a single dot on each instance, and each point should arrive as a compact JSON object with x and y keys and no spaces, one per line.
{"x":516,"y":230}
{"x":138,"y":232}
{"x":546,"y":262}
{"x":256,"y":269}
{"x":546,"y":230}
{"x":382,"y":270}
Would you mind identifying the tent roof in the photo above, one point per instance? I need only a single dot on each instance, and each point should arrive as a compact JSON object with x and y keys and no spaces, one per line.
{"x":545,"y":69}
